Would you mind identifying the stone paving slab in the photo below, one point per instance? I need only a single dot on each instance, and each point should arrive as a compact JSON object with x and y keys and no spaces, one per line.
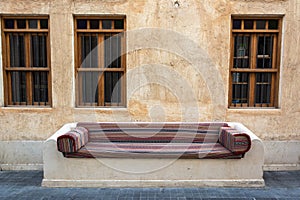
{"x":27,"y":185}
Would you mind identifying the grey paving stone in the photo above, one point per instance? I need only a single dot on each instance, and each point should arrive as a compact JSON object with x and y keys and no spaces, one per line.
{"x":27,"y":185}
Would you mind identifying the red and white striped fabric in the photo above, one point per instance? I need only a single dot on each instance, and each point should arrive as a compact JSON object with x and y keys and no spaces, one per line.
{"x":73,"y":140}
{"x":234,"y":140}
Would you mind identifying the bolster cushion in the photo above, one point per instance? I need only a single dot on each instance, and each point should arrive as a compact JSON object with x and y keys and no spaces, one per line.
{"x":73,"y":140}
{"x":234,"y":140}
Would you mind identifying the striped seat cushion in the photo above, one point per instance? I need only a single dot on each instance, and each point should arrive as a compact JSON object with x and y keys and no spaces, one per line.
{"x":73,"y":140}
{"x":152,"y":150}
{"x":235,"y":141}
{"x":154,"y":140}
{"x":154,"y":132}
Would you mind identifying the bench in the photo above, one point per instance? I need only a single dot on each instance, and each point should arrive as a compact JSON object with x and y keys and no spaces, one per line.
{"x":153,"y":155}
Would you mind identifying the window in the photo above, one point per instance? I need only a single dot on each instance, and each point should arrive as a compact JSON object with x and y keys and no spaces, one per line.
{"x":100,"y":65}
{"x":26,"y":61}
{"x":254,"y":66}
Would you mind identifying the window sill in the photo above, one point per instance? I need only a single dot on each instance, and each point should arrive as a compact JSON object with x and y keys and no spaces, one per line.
{"x":26,"y":109}
{"x":272,"y":110}
{"x":101,"y":108}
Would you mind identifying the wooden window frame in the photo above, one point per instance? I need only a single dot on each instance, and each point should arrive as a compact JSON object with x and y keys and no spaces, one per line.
{"x":252,"y":71}
{"x":100,"y":33}
{"x":7,"y":69}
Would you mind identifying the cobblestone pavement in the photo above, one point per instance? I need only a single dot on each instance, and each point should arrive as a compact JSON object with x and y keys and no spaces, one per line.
{"x":27,"y":185}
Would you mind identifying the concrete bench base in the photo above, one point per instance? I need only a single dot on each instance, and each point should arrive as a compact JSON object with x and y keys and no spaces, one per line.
{"x":128,"y":172}
{"x":152,"y":183}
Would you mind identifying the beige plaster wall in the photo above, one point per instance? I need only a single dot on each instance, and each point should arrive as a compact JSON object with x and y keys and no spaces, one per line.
{"x":185,"y":80}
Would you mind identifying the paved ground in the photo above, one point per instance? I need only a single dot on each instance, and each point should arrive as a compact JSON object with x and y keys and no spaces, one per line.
{"x":27,"y":185}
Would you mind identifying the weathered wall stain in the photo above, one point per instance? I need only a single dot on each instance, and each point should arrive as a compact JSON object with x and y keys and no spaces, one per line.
{"x":207,"y":23}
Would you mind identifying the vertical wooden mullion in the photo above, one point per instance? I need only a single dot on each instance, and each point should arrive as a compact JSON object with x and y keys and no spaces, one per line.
{"x":49,"y":67}
{"x":231,"y":67}
{"x":278,"y":54}
{"x":15,"y":24}
{"x":275,"y":76}
{"x":112,"y":24}
{"x":252,"y":85}
{"x":76,"y":73}
{"x":272,"y":92}
{"x":78,"y":76}
{"x":274,"y":53}
{"x":9,"y":88}
{"x":39,"y":24}
{"x":29,"y":80}
{"x":79,"y":89}
{"x":123,"y":64}
{"x":87,"y":24}
{"x":6,"y":74}
{"x":242,"y":25}
{"x":252,"y":66}
{"x":100,"y":25}
{"x":102,"y":66}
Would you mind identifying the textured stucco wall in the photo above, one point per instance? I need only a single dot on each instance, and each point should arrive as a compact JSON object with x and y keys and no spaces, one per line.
{"x":164,"y":82}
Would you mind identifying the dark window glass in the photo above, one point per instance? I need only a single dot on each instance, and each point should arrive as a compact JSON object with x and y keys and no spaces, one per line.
{"x":38,"y":51}
{"x":82,"y":24}
{"x":94,"y":24}
{"x":261,"y":24}
{"x":248,"y":24}
{"x":119,"y":24}
{"x":263,"y":88}
{"x":33,"y":23}
{"x":237,"y":24}
{"x":273,"y":24}
{"x":18,"y":87}
{"x":242,"y":51}
{"x":21,"y":23}
{"x":264,"y":52}
{"x":106,"y":24}
{"x":89,"y":51}
{"x":9,"y":23}
{"x":44,"y":24}
{"x":240,"y":88}
{"x":40,"y":87}
{"x":112,"y":87}
{"x":17,"y":50}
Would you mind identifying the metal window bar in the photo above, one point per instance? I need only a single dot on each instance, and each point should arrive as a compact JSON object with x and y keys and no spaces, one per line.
{"x":242,"y":59}
{"x":37,"y":88}
{"x":262,"y":86}
{"x":88,"y":87}
{"x":264,"y":50}
{"x":271,"y":51}
{"x":241,"y":88}
{"x":269,"y":89}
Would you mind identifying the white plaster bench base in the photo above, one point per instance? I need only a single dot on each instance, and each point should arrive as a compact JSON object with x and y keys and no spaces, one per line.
{"x":127,"y":172}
